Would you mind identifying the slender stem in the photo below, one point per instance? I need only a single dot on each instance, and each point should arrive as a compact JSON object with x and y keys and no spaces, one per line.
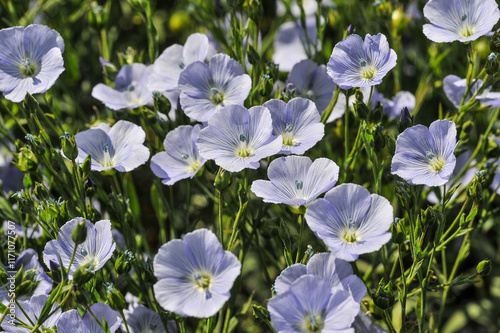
{"x":370,"y":97}
{"x":346,"y":133}
{"x":300,"y":221}
{"x":221,"y":222}
{"x":328,"y":111}
{"x":124,"y":321}
{"x":403,"y":297}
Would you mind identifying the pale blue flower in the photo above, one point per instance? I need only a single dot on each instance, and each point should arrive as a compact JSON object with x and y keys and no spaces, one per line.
{"x":29,"y":312}
{"x":290,"y":43}
{"x":130,"y":90}
{"x":311,"y":81}
{"x":30,"y":60}
{"x":238,"y":138}
{"x":181,"y":158}
{"x":455,"y":88}
{"x":143,"y":320}
{"x":350,"y":221}
{"x":337,"y":272}
{"x":207,"y":89}
{"x":393,"y":108}
{"x":462,"y":20}
{"x":119,"y":147}
{"x":424,"y":156}
{"x":195,"y":275}
{"x":312,"y":305}
{"x":96,"y":250}
{"x":358,"y":63}
{"x":168,"y":67}
{"x":296,"y":180}
{"x":298,"y":122}
{"x":72,"y":322}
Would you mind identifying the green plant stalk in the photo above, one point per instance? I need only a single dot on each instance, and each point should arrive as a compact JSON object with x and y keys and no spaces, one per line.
{"x":346,"y":134}
{"x":403,"y":297}
{"x":328,"y":111}
{"x":221,"y":222}
{"x":301,"y":222}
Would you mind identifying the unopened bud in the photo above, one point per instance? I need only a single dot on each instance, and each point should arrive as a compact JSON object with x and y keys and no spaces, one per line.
{"x":484,"y":267}
{"x":79,"y":234}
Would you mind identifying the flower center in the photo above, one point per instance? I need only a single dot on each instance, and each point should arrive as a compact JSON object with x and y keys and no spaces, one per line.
{"x":310,"y":94}
{"x":368,"y":72}
{"x":107,"y":160}
{"x":203,"y":280}
{"x":181,"y":65}
{"x":28,"y":68}
{"x":436,"y":163}
{"x":288,"y":138}
{"x":184,"y":156}
{"x":243,"y":149}
{"x":313,"y":323}
{"x":350,"y":234}
{"x":216,"y":96}
{"x":299,"y":184}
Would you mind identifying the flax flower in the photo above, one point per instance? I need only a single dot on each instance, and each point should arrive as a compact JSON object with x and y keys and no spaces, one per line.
{"x":424,"y":156}
{"x":351,"y":221}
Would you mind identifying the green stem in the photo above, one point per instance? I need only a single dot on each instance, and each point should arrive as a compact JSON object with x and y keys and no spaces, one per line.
{"x":328,"y":111}
{"x":300,"y":221}
{"x":403,"y":297}
{"x":346,"y":134}
{"x":221,"y":222}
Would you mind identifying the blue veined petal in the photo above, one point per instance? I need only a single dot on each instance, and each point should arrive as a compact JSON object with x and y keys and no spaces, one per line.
{"x":207,"y":89}
{"x":101,"y":312}
{"x":130,"y":90}
{"x":181,"y":158}
{"x":141,"y":319}
{"x":424,"y":156}
{"x":311,"y":304}
{"x":358,"y":63}
{"x":459,"y":20}
{"x":298,"y":122}
{"x":97,"y":248}
{"x":119,"y":147}
{"x":237,"y":138}
{"x":30,"y":60}
{"x":195,"y":275}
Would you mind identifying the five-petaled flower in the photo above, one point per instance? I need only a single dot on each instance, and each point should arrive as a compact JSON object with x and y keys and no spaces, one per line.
{"x":30,"y":60}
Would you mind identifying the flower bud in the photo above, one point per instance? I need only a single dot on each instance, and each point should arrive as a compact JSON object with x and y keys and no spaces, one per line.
{"x":123,"y":263}
{"x":398,"y":236}
{"x":162,"y":104}
{"x":115,"y":298}
{"x":87,"y":164}
{"x":405,"y":120}
{"x":90,"y":187}
{"x":362,"y":111}
{"x":491,"y":66}
{"x":83,"y":274}
{"x":384,"y":298}
{"x":222,"y":180}
{"x":484,"y":267}
{"x":80,"y":233}
{"x":70,"y":149}
{"x":253,"y":55}
{"x":30,"y":104}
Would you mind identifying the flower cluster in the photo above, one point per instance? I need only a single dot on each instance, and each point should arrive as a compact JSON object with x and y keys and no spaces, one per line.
{"x":280,"y":165}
